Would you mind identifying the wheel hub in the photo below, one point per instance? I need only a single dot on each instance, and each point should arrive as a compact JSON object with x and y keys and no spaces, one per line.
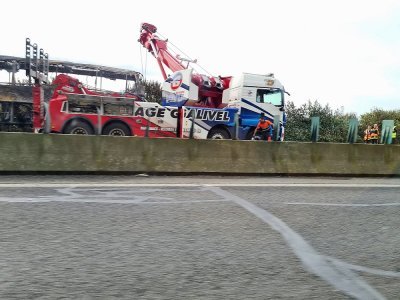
{"x":117,"y":131}
{"x":79,"y":130}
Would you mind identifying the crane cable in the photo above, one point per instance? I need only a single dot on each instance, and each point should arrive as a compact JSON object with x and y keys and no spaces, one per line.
{"x":144,"y":70}
{"x":145,"y":67}
{"x":141,"y":56}
{"x":162,"y":36}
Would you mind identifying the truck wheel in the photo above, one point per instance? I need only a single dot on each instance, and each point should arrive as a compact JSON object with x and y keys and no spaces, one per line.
{"x":79,"y":127}
{"x":117,"y":129}
{"x":218,"y":134}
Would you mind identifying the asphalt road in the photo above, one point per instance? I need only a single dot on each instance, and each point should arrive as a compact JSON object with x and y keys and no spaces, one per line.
{"x":191,"y":237}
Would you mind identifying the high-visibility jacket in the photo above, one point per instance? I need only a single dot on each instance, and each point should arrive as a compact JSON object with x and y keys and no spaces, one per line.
{"x":394,"y":133}
{"x":264,"y":125}
{"x":367,"y":135}
{"x":374,"y":134}
{"x":265,"y":129}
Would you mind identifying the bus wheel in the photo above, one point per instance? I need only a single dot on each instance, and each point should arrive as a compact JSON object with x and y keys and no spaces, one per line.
{"x":218,"y":134}
{"x":117,"y":129}
{"x":79,"y":127}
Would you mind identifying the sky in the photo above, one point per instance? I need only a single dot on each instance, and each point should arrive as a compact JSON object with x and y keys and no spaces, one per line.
{"x":345,"y":53}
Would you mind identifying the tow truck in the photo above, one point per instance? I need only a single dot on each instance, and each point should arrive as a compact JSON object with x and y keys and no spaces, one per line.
{"x":240,"y":99}
{"x":193,"y":105}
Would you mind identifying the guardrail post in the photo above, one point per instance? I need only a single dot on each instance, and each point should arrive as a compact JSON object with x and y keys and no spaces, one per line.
{"x":47,"y":120}
{"x":236,"y":136}
{"x":353,"y":130}
{"x":386,"y":134}
{"x":98,"y":121}
{"x":191,"y":133}
{"x":277,"y":121}
{"x":314,"y":129}
{"x":146,"y":133}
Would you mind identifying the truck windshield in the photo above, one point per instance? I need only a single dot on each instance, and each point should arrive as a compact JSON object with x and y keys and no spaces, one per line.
{"x":273,"y":97}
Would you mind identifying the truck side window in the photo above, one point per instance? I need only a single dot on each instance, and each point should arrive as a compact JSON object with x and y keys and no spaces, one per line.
{"x":82,"y":107}
{"x":273,"y":97}
{"x":64,"y":106}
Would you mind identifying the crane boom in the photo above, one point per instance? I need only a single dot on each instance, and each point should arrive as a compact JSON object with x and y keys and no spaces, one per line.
{"x":158,"y":48}
{"x":209,"y":88}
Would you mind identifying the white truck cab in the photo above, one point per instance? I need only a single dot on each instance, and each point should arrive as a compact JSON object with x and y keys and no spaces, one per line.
{"x":263,"y":91}
{"x":253,"y":94}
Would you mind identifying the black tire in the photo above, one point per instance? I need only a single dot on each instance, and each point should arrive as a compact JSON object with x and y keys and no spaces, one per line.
{"x":218,"y":134}
{"x":79,"y":127}
{"x":117,"y":129}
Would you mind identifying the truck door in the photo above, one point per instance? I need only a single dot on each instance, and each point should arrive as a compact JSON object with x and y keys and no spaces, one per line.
{"x":270,"y":100}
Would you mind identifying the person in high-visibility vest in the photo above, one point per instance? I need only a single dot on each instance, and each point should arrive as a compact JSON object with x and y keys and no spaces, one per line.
{"x":374,"y":134}
{"x":367,"y":135}
{"x":394,"y":135}
{"x":264,"y":129}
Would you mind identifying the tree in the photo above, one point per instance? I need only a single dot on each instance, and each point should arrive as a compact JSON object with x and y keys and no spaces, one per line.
{"x":377,"y":115}
{"x":298,"y":123}
{"x":152,"y":90}
{"x":333,"y":124}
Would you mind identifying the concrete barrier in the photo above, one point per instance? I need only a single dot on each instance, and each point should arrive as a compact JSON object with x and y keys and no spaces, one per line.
{"x":24,"y":152}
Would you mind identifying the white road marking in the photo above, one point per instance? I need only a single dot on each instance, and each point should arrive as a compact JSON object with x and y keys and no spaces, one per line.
{"x":184,"y":201}
{"x":364,"y":269}
{"x":111,"y":196}
{"x":99,"y":200}
{"x":329,"y":185}
{"x":338,"y":273}
{"x":103,"y":185}
{"x":339,"y":276}
{"x":91,"y":185}
{"x":345,"y":204}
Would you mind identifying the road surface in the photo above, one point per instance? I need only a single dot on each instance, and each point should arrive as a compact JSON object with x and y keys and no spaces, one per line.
{"x":193,"y":237}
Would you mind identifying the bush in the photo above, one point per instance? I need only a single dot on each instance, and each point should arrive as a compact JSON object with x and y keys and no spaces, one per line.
{"x":333,"y":124}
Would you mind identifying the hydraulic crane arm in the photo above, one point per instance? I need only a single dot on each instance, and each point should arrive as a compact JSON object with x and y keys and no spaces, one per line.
{"x":158,"y":48}
{"x":209,"y":88}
